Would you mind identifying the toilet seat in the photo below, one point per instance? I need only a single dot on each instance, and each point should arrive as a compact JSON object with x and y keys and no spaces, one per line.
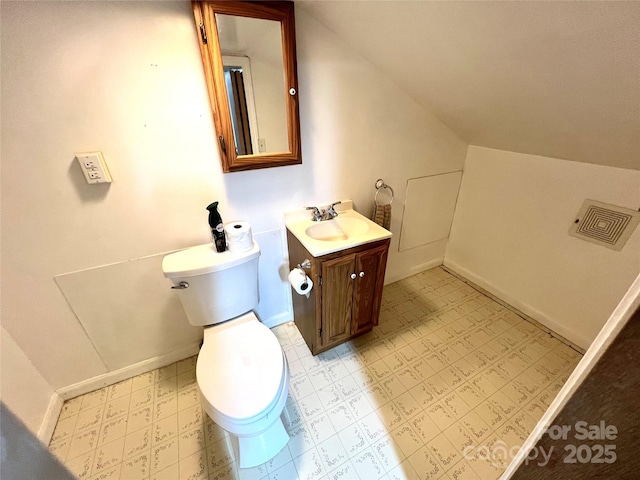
{"x":259,"y":423}
{"x":240,"y":367}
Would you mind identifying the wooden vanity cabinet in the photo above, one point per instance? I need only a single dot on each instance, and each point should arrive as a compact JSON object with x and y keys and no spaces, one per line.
{"x":346,"y":295}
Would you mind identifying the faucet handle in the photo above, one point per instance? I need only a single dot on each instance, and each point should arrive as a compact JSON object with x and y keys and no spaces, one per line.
{"x":317,"y":216}
{"x":331,"y":211}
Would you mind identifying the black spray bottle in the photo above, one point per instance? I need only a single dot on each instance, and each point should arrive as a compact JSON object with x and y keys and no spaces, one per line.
{"x":217,"y":229}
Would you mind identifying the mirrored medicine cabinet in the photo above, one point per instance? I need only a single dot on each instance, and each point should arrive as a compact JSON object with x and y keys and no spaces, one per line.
{"x":249,"y":56}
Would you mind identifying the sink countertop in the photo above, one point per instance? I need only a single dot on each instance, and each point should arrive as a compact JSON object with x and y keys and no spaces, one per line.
{"x":298,"y":222}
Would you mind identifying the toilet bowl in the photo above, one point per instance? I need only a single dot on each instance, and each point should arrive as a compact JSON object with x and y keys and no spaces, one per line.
{"x":241,"y":371}
{"x":243,"y":378}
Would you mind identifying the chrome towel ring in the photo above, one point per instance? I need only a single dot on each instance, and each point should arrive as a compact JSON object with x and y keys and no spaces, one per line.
{"x":380,"y":185}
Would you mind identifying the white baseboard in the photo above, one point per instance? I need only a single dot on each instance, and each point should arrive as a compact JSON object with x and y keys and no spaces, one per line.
{"x":279,"y":319}
{"x":116,"y":376}
{"x":48,"y":425}
{"x":614,"y":325}
{"x":574,"y":337}
{"x":414,"y":270}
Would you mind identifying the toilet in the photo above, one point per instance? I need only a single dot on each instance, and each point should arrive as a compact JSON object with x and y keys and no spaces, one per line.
{"x":242,"y":371}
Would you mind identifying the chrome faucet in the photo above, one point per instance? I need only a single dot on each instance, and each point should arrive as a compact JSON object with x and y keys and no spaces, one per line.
{"x":327,"y":214}
{"x":316,"y":215}
{"x":331,"y":213}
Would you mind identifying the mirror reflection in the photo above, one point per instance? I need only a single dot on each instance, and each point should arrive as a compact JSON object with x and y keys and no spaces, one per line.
{"x":255,"y":83}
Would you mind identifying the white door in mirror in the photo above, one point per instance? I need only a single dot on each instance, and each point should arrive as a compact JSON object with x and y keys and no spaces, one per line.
{"x":93,"y":167}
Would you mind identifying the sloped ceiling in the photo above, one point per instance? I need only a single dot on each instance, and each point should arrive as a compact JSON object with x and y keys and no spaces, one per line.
{"x":558,"y":79}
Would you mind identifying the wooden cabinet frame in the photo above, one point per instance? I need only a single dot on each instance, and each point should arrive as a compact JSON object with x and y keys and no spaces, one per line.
{"x":339,"y":307}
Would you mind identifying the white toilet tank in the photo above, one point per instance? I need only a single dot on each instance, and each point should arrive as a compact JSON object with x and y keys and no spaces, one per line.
{"x":214,"y":287}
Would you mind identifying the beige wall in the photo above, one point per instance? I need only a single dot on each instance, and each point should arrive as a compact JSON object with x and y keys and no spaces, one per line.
{"x":510,"y":235}
{"x":22,"y":388}
{"x":126,"y":78}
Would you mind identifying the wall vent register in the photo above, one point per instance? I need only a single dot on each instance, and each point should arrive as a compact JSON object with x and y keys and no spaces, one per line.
{"x":605,"y":224}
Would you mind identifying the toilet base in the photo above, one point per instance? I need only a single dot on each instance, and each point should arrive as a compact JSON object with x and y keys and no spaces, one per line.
{"x":254,"y":450}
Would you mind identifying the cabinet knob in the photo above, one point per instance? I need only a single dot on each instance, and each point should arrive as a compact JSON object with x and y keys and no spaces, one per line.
{"x":353,"y":276}
{"x":361,"y":274}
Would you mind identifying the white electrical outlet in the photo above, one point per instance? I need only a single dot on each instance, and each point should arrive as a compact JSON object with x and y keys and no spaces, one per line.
{"x":93,"y":167}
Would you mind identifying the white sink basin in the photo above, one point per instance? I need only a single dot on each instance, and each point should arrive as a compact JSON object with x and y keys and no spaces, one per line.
{"x":337,"y":229}
{"x":348,"y":229}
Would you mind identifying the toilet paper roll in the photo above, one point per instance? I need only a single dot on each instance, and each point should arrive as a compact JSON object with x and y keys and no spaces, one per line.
{"x":239,"y":237}
{"x":300,"y":282}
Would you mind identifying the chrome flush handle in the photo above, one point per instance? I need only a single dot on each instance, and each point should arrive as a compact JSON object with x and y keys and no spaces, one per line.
{"x":180,"y":286}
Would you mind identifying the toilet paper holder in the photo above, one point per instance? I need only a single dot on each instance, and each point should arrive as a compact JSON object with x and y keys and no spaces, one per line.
{"x":306,"y":264}
{"x":299,"y":279}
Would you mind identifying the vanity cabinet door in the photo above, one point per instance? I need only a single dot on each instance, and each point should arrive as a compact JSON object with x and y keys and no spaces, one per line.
{"x":337,"y":299}
{"x":370,"y":266}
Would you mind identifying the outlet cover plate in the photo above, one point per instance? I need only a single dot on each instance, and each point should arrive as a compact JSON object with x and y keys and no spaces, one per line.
{"x":93,"y":167}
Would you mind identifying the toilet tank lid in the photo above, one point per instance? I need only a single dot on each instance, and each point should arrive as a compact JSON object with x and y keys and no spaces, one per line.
{"x":204,"y":259}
